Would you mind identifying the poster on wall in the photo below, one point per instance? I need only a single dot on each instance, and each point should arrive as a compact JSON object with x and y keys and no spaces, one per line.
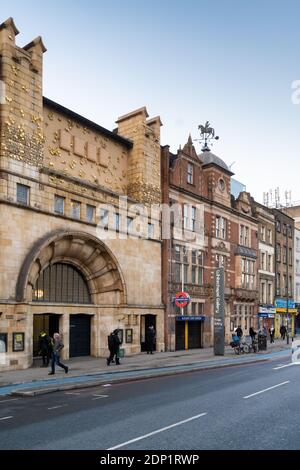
{"x":18,"y":341}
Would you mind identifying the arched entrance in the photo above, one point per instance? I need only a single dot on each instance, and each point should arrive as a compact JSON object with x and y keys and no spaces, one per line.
{"x":66,"y":278}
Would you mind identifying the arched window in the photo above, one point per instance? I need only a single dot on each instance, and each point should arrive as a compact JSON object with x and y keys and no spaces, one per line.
{"x":61,"y":283}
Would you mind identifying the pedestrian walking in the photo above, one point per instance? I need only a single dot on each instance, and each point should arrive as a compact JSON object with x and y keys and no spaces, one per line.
{"x":113,"y":342}
{"x":45,"y":348}
{"x":57,"y":345}
{"x":282,"y":331}
{"x":150,"y":339}
{"x":272,"y":333}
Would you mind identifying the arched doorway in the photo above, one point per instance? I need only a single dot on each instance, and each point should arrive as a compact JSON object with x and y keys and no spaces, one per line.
{"x":62,"y":283}
{"x":67,"y":277}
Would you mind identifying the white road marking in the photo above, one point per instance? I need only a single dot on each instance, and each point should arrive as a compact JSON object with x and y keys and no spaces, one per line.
{"x":99,"y":396}
{"x":11,"y":399}
{"x":266,"y":389}
{"x":5,"y":417}
{"x":287,"y":365}
{"x":106,"y":385}
{"x":157,"y":431}
{"x":55,"y":407}
{"x":72,"y":393}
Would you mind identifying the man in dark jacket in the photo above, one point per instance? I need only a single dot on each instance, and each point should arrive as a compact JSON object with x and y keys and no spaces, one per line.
{"x":150,"y":339}
{"x":45,"y":348}
{"x":55,"y":358}
{"x":113,"y":342}
{"x":239,"y":332}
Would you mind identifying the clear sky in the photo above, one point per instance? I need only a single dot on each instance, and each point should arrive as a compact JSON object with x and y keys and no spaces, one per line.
{"x":231,"y":62}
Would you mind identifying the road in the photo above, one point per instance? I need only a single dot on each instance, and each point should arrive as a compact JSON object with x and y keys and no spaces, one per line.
{"x":243,"y":407}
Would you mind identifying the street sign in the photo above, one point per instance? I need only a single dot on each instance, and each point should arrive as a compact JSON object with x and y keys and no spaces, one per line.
{"x":182,"y":299}
{"x":219,"y":327}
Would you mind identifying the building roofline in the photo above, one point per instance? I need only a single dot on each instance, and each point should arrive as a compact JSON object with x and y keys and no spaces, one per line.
{"x":207,"y":165}
{"x":86,"y":122}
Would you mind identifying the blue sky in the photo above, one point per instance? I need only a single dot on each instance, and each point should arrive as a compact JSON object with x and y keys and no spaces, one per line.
{"x":231,"y":62}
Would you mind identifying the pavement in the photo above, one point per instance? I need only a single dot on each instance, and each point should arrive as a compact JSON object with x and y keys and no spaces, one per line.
{"x":88,"y":372}
{"x":253,"y":406}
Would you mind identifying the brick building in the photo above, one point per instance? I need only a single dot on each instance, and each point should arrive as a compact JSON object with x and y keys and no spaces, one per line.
{"x":225,"y":234}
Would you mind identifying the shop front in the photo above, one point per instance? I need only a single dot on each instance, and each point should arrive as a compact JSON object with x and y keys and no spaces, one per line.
{"x":189,"y":332}
{"x":266,"y":317}
{"x":285,"y":315}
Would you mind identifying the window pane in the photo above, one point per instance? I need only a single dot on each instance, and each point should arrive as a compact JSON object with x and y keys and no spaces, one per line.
{"x":90,"y":213}
{"x":75,"y":208}
{"x":22,"y":194}
{"x":59,"y":203}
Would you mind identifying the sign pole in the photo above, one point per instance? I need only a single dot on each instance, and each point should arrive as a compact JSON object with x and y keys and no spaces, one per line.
{"x":219,"y":316}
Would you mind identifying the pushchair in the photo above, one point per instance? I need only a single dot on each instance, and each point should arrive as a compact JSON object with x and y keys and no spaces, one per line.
{"x":236,"y":344}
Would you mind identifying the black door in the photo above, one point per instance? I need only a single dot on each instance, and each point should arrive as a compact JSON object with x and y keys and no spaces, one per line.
{"x":195,"y":334}
{"x":180,"y":334}
{"x":146,"y":321}
{"x":44,"y":322}
{"x":80,"y":335}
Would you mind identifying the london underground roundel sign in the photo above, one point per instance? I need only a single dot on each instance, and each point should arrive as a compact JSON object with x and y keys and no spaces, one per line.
{"x":182,"y":299}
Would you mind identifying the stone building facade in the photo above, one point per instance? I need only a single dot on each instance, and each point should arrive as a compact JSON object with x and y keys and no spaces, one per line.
{"x":284,"y":271}
{"x":225,"y":234}
{"x":266,"y":267}
{"x":67,"y":263}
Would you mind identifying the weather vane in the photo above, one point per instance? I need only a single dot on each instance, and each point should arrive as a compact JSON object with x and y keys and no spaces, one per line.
{"x":207,"y":134}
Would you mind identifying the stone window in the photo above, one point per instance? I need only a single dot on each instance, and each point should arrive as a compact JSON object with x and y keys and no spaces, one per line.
{"x":75,"y":209}
{"x":62,"y":283}
{"x":116,"y":221}
{"x":190,"y":173}
{"x":23,"y":194}
{"x":220,"y":227}
{"x":90,"y":213}
{"x":150,"y":231}
{"x":59,"y":205}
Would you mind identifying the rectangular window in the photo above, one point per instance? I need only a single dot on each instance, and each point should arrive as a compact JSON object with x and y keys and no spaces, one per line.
{"x":185,"y":270}
{"x":23,"y":194}
{"x":248,"y":274}
{"x":297,"y":266}
{"x":290,"y":257}
{"x":193,"y":274}
{"x":263,"y":292}
{"x":200,"y":276}
{"x":278,"y":226}
{"x":297,"y":244}
{"x":263,"y":233}
{"x":278,"y":287}
{"x":220,"y":227}
{"x":150,"y":231}
{"x":284,"y":229}
{"x":270,"y":294}
{"x":284,"y":284}
{"x":129,"y":221}
{"x":201,"y":308}
{"x":270,"y":236}
{"x":104,"y":218}
{"x":190,"y":174}
{"x":59,"y":205}
{"x":193,"y":219}
{"x":185,"y":216}
{"x":90,"y":213}
{"x":263,"y":261}
{"x":75,"y":209}
{"x":177,"y":253}
{"x":244,"y":236}
{"x":290,"y":286}
{"x":270,"y":267}
{"x":284,"y":254}
{"x":194,"y":306}
{"x":278,"y":252}
{"x":116,"y":221}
